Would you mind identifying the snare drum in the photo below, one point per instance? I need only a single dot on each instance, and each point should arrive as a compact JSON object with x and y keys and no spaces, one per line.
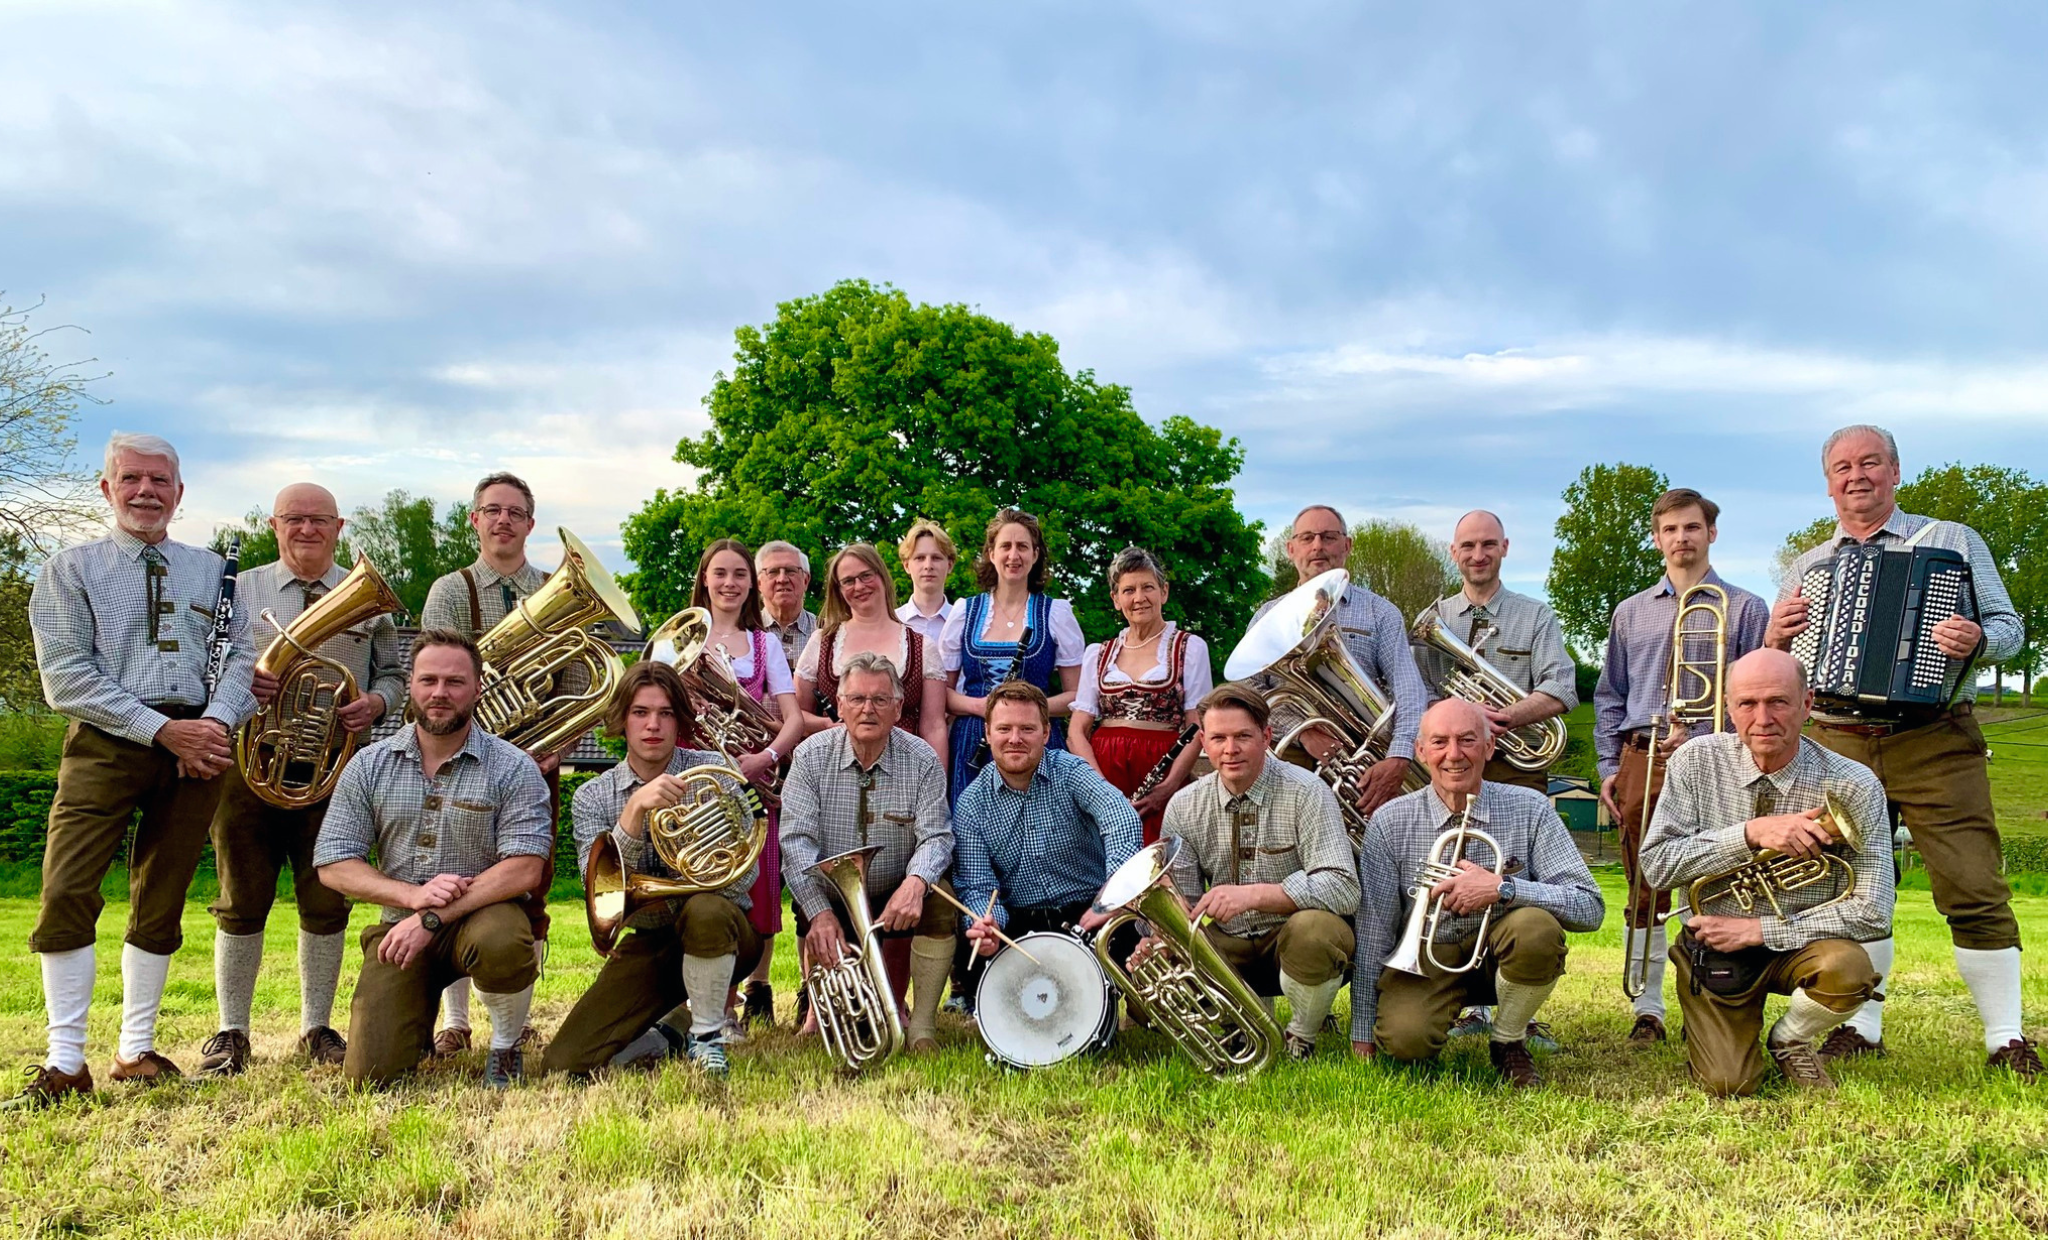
{"x":1033,"y":1015}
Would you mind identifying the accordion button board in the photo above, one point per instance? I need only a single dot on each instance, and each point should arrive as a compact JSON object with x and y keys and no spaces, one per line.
{"x":1869,"y":641}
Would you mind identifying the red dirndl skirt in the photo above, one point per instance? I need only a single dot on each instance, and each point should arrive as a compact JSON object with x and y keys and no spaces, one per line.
{"x":766,"y":914}
{"x":1126,"y":756}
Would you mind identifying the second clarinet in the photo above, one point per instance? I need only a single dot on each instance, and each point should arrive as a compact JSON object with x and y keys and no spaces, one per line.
{"x":1157,"y":775}
{"x":1016,"y":670}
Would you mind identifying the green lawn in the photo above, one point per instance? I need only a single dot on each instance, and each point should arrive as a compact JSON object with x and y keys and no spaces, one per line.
{"x":1922,"y":1143}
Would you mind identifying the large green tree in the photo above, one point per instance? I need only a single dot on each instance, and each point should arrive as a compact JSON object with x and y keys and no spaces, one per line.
{"x":856,"y":411}
{"x":1393,"y":559}
{"x":1604,"y":549}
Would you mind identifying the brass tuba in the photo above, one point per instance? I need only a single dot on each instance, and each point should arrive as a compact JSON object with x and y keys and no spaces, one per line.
{"x":1189,"y":991}
{"x":1338,"y":722}
{"x":291,"y":751}
{"x":851,"y":996}
{"x":547,"y":679}
{"x":710,"y":839}
{"x":1418,"y":937}
{"x":1532,"y":747}
{"x":1769,"y":873}
{"x":727,"y":715}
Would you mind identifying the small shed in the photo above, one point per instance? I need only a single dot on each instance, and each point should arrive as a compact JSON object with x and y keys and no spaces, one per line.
{"x":1577,"y":803}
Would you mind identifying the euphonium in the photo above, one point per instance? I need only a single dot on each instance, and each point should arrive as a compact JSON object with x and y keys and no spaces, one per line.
{"x":711,"y":839}
{"x":1425,"y":915}
{"x":532,"y":694}
{"x":1532,"y":747}
{"x":727,"y":715}
{"x":851,"y":996}
{"x":1189,"y":991}
{"x":291,"y":751}
{"x":1337,"y":721}
{"x":1769,"y":873}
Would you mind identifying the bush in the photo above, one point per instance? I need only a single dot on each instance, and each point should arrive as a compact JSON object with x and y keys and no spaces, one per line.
{"x":31,"y":741}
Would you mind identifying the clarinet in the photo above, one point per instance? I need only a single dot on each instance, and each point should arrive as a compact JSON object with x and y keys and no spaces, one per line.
{"x":1016,"y":670}
{"x":217,"y":643}
{"x":1157,"y":775}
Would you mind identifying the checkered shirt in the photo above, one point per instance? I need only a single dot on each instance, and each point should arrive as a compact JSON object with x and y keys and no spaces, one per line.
{"x":822,"y":802}
{"x":599,"y":805}
{"x":1377,"y":636}
{"x":1285,"y":829}
{"x":447,"y":605}
{"x":1053,"y":844}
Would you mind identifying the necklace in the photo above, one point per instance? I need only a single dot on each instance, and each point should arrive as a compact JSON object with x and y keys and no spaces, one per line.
{"x":1139,"y":643}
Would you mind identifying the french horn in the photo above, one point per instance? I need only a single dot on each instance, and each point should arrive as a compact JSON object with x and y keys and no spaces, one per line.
{"x":709,"y":841}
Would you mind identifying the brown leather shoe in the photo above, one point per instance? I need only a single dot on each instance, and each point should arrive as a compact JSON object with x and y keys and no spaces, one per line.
{"x":1801,"y":1064}
{"x":47,"y":1087}
{"x":323,"y":1046}
{"x":224,"y":1054}
{"x":1846,"y":1043}
{"x":2018,"y":1057}
{"x":148,"y":1068}
{"x":1514,"y":1063}
{"x":1648,"y":1031}
{"x":450,"y":1041}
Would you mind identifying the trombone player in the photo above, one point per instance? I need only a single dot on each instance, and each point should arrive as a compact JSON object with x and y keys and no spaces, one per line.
{"x":253,"y":840}
{"x":1766,"y":787}
{"x":1532,"y":882}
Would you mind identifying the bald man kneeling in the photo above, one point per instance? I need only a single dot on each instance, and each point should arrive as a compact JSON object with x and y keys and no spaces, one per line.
{"x":1543,"y":890}
{"x":254,"y":840}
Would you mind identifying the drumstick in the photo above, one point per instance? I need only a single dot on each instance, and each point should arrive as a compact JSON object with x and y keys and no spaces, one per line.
{"x":942,"y":894}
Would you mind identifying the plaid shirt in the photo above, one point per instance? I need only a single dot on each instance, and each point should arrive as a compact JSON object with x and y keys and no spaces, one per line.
{"x":89,"y":612}
{"x":601,"y":802}
{"x":487,"y":803}
{"x":1632,"y":682}
{"x":2004,"y":632}
{"x":369,"y":650}
{"x":823,"y":804}
{"x":794,"y":636}
{"x":1053,"y":844}
{"x":1524,"y":643}
{"x":447,"y":605}
{"x":1285,"y":829}
{"x":1712,"y":791}
{"x":1548,"y":871}
{"x":1377,"y":637}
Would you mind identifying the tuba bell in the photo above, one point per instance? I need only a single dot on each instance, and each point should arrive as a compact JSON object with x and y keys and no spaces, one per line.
{"x":1337,"y":722}
{"x":291,"y":751}
{"x":727,"y":715}
{"x":1187,"y":989}
{"x":1532,"y":747}
{"x":547,"y":679}
{"x":1769,"y":873}
{"x":1418,"y":936}
{"x":710,"y":839}
{"x":851,"y":996}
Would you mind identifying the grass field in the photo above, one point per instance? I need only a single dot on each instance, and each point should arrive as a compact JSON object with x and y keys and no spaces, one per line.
{"x":1922,"y":1143}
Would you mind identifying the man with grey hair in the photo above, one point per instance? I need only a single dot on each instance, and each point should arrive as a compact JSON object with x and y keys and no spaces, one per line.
{"x":1932,"y":762}
{"x":121,"y":628}
{"x":785,"y":576}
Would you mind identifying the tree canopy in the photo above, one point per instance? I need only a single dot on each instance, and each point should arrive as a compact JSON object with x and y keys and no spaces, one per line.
{"x":856,"y":411}
{"x":1394,"y":559}
{"x":42,"y":495}
{"x":1604,"y":549}
{"x":401,"y":535}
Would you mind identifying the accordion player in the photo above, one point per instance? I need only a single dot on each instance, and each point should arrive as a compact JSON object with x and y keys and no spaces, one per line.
{"x":1869,"y":643}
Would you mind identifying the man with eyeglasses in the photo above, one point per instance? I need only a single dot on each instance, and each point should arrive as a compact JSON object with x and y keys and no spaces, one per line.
{"x":254,"y":840}
{"x":785,"y":573}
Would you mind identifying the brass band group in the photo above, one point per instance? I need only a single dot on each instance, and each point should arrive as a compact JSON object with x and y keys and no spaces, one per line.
{"x":965,"y":797}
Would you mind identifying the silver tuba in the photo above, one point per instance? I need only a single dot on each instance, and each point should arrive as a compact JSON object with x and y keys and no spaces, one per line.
{"x":851,"y":996}
{"x":727,"y":715}
{"x":1418,"y":936}
{"x":1532,"y":747}
{"x":1337,"y":721}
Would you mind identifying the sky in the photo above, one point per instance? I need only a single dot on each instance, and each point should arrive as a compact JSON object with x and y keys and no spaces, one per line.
{"x":1417,"y":258}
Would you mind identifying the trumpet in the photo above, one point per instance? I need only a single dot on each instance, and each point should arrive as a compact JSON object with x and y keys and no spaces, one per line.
{"x":532,"y":694}
{"x":1532,"y":747}
{"x":727,"y":715}
{"x":854,"y":1003}
{"x":1418,"y":937}
{"x":711,"y":839}
{"x":1769,"y":873}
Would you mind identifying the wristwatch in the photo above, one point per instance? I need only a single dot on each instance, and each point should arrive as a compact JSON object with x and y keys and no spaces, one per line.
{"x":430,"y":921}
{"x":1507,"y":891}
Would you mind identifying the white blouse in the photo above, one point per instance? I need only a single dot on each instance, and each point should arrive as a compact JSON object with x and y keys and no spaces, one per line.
{"x":779,"y":679}
{"x":1195,"y":678}
{"x":1068,"y":644}
{"x":807,"y":662}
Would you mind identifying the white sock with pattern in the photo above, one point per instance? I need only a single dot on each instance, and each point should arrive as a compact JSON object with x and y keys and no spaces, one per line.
{"x":706,"y":981}
{"x":319,"y":976}
{"x":67,"y":998}
{"x":455,"y":1005}
{"x":1994,"y":981}
{"x":237,"y":959}
{"x":508,"y":1015}
{"x":931,"y":964}
{"x":1515,"y":1006}
{"x":1310,"y":1004}
{"x":1868,"y":1020}
{"x":1651,"y":1001}
{"x":1805,"y":1019}
{"x":143,"y":975}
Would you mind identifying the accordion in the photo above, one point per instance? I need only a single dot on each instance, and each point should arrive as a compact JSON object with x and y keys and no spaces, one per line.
{"x":1868,"y":647}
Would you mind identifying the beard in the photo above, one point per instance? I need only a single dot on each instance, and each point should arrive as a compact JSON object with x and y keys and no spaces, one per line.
{"x":453,"y":723}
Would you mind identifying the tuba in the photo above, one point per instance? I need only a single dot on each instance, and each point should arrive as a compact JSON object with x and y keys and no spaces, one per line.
{"x":291,"y":751}
{"x":1532,"y":747}
{"x":1425,"y":916}
{"x":1338,"y":721}
{"x":710,"y":839}
{"x":851,"y":997}
{"x":1189,"y":991}
{"x":1769,"y":873}
{"x":547,"y":679}
{"x":727,"y":715}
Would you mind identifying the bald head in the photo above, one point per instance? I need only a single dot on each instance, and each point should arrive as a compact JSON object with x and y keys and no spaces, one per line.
{"x":1454,"y":741}
{"x":308,"y":525}
{"x":1478,"y":545}
{"x":1768,"y":702}
{"x":305,"y":497}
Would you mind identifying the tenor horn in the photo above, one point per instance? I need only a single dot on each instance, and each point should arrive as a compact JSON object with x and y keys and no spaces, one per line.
{"x":1769,"y":873}
{"x":1532,"y":747}
{"x":547,"y":680}
{"x":851,"y":996}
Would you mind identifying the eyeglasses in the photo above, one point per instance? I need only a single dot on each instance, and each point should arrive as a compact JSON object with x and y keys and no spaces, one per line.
{"x":863,"y":701}
{"x":296,"y":522}
{"x":867,"y":578}
{"x":1323,"y":536}
{"x":491,"y":512}
{"x":782,"y":572}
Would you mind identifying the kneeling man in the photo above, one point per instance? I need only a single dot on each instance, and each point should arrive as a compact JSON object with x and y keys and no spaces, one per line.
{"x":459,"y":823}
{"x":1543,"y":890}
{"x":1725,"y":797}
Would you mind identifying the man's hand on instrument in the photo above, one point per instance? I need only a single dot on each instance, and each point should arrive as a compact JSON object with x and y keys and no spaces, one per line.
{"x":362,"y":711}
{"x":1225,"y":901}
{"x":1957,"y":637}
{"x":1609,"y":798}
{"x":548,"y":763}
{"x":1382,"y":783}
{"x":1795,"y":835}
{"x":1364,"y":1050}
{"x":1143,"y":951}
{"x":1678,"y":733}
{"x":1091,"y":921}
{"x":1502,"y":722}
{"x":981,"y":935}
{"x":1788,"y":620}
{"x":440,"y":891}
{"x":825,"y":942}
{"x":1154,"y":802}
{"x":660,"y":792}
{"x":201,"y":746}
{"x":264,"y":685}
{"x":404,"y":942}
{"x":1727,"y":934}
{"x":906,"y":905}
{"x":759,"y":768}
{"x":1472,"y":888}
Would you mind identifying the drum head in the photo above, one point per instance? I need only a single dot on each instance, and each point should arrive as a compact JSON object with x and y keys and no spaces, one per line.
{"x":1032,"y":1015}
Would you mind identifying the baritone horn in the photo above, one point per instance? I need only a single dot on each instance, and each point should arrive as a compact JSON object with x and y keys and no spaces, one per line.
{"x":851,"y":996}
{"x":547,"y":679}
{"x":1769,"y":873}
{"x":709,"y":840}
{"x":1425,"y":915}
{"x":727,"y":715}
{"x":1532,"y":747}
{"x":291,"y":751}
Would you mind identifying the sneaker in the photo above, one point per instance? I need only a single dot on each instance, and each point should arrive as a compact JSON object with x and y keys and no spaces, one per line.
{"x":734,"y":1031}
{"x":148,"y":1068}
{"x":956,"y":1005}
{"x":1513,"y":1062}
{"x":760,"y":1005}
{"x":1540,"y":1037}
{"x":2018,"y":1057}
{"x":708,"y":1053}
{"x":47,"y":1087}
{"x":1298,"y":1047}
{"x":504,"y":1069}
{"x":1847,"y":1043}
{"x":1801,"y":1064}
{"x":528,"y":1039}
{"x":224,"y":1054}
{"x":1648,"y":1031}
{"x":451,"y":1041}
{"x":323,"y":1045}
{"x":1471,"y":1023}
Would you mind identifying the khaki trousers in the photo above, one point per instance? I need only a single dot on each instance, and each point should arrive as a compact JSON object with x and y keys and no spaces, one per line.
{"x":1312,"y":947}
{"x":1935,"y":775}
{"x":1722,"y":1032}
{"x":102,"y":780}
{"x":253,"y":841}
{"x":1637,"y":806}
{"x":1501,"y":771}
{"x":391,"y":1021}
{"x":643,"y":980}
{"x":1526,"y":945}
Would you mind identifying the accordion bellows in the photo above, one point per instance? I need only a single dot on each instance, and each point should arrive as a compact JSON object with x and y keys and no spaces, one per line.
{"x":1869,"y":643}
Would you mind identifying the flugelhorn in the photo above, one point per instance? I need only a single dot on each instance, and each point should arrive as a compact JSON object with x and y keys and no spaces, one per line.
{"x":1769,"y":873}
{"x":710,"y":840}
{"x":291,"y":751}
{"x":1184,"y":985}
{"x":547,"y":679}
{"x":1532,"y":747}
{"x":727,"y":716}
{"x":851,"y":996}
{"x":1425,"y":915}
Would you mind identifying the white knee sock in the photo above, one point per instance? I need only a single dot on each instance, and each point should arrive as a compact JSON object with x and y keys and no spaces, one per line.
{"x":237,"y":959}
{"x":455,"y":1005}
{"x":706,"y":981}
{"x":1868,"y":1020}
{"x":649,"y":1044}
{"x":931,"y":963}
{"x":1515,"y":1006}
{"x":1804,"y":1021}
{"x":1310,"y":1004}
{"x":1652,"y":998}
{"x":67,"y":997}
{"x":508,"y":1015}
{"x":319,"y":975}
{"x":1994,"y":981}
{"x":142,"y":993}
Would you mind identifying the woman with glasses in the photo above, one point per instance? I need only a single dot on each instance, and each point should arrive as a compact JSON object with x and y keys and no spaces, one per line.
{"x":860,"y":616}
